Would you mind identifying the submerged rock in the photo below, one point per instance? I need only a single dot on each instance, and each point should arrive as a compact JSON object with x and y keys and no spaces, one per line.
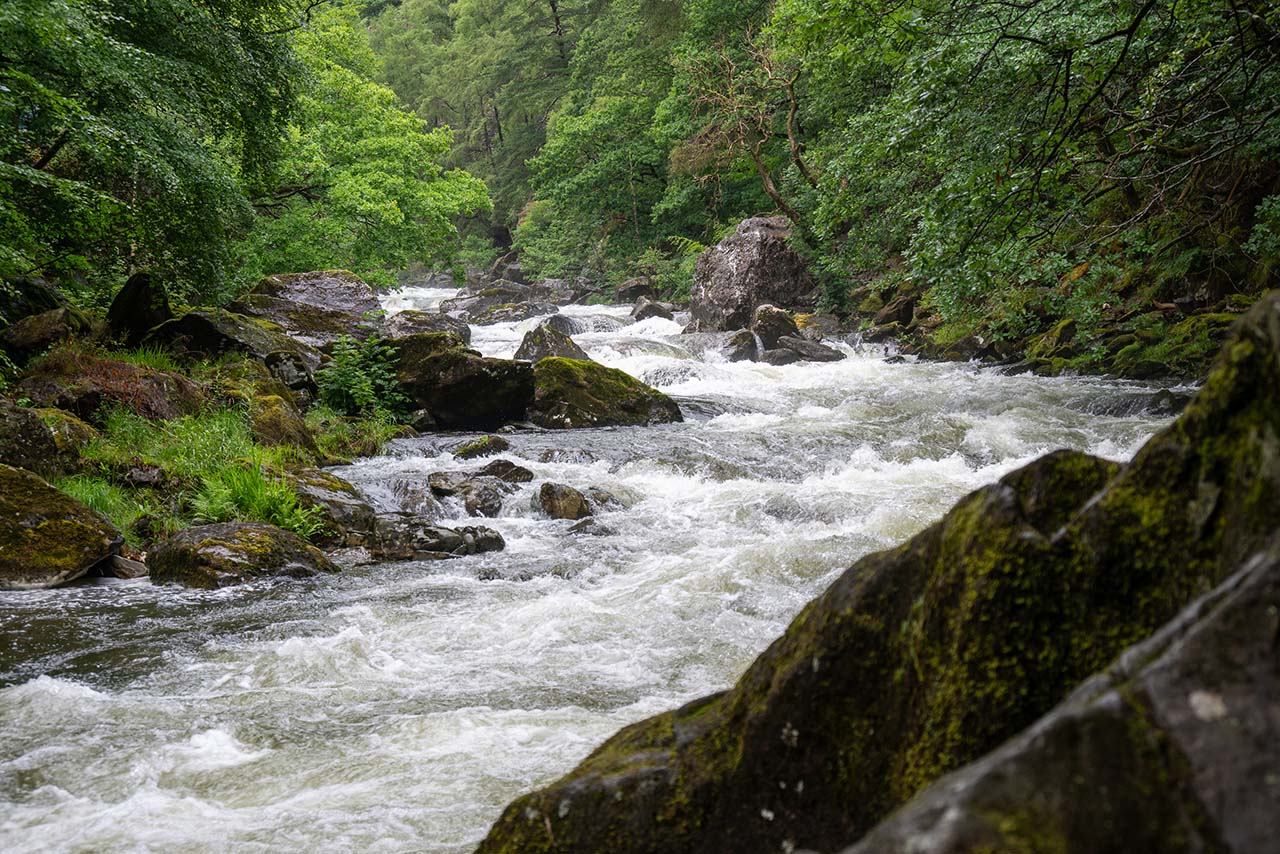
{"x":562,"y":502}
{"x":924,"y":657}
{"x":315,"y":308}
{"x":546,"y":341}
{"x":573,"y":393}
{"x":752,"y":266}
{"x":47,"y":537}
{"x":212,"y":556}
{"x":140,"y":306}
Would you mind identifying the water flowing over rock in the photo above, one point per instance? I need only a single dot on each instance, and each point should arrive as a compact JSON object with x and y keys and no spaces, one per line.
{"x":402,"y":324}
{"x":212,"y":556}
{"x":546,"y":340}
{"x":512,"y":312}
{"x":924,"y":657}
{"x":507,"y":471}
{"x":47,"y":537}
{"x":646,"y":308}
{"x":406,"y":536}
{"x":810,"y":351}
{"x":315,"y":308}
{"x":752,"y":266}
{"x":485,"y":446}
{"x":140,"y":306}
{"x":572,"y":393}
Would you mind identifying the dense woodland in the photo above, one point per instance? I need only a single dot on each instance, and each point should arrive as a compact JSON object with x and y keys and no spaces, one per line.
{"x":1017,"y":159}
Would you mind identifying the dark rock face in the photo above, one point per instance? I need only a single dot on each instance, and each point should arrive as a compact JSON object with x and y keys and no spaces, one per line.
{"x":1172,"y":748}
{"x":810,"y":351}
{"x":633,"y":289}
{"x":314,"y":308}
{"x":562,"y":502}
{"x":480,"y":495}
{"x":461,"y":389}
{"x":771,"y":323}
{"x":277,"y":422}
{"x":742,"y":346}
{"x":47,"y":538}
{"x":348,"y":518}
{"x":507,"y":471}
{"x":209,"y":333}
{"x":572,"y":393}
{"x":405,"y":323}
{"x":24,"y":296}
{"x":37,"y":333}
{"x":922,"y":658}
{"x":83,"y":383}
{"x":140,"y":306}
{"x":25,"y":441}
{"x":546,"y":341}
{"x":751,"y":267}
{"x":646,"y":308}
{"x":212,"y":556}
{"x":780,"y":357}
{"x":405,"y":536}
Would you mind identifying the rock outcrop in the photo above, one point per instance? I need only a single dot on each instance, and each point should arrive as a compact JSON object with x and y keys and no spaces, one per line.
{"x":210,"y":333}
{"x":47,"y":538}
{"x":315,"y":308}
{"x":545,"y":341}
{"x":573,"y":393}
{"x":460,"y":388}
{"x":925,"y":657}
{"x":86,"y":383}
{"x":402,"y":324}
{"x":140,"y":306}
{"x":24,"y":296}
{"x":752,"y":266}
{"x":212,"y":556}
{"x":25,"y":441}
{"x":348,"y":518}
{"x":33,"y":335}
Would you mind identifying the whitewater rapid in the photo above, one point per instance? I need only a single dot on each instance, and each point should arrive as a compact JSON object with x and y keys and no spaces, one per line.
{"x":399,"y":707}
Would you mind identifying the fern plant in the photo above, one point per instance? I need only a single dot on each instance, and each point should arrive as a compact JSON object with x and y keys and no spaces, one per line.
{"x":360,"y":377}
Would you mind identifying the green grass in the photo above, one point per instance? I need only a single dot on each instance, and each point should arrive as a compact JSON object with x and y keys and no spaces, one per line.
{"x":344,"y":437}
{"x":122,"y":505}
{"x":149,"y":357}
{"x":246,"y":493}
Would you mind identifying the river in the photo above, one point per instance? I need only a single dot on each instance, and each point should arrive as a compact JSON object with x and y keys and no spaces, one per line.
{"x":399,"y":707}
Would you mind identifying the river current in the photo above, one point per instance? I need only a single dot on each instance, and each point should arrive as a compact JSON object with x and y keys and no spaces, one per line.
{"x":399,"y":707}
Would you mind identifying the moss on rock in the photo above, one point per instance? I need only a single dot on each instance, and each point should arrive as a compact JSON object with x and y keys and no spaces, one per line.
{"x":47,"y":538}
{"x":84,"y":382}
{"x":458,"y":387}
{"x":212,"y":556}
{"x":573,"y":393}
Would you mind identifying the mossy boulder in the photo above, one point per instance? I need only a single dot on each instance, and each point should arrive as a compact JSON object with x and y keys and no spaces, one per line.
{"x":25,"y":441}
{"x":276,"y":422}
{"x":348,"y":518}
{"x":24,"y":296}
{"x":546,"y":341}
{"x":484,"y":446}
{"x":924,"y":657}
{"x":413,"y":322}
{"x":573,"y":393}
{"x":70,"y":435}
{"x":315,"y":308}
{"x":461,"y":389}
{"x":33,"y":335}
{"x":140,"y":306}
{"x":47,"y":538}
{"x":86,"y":383}
{"x":212,"y":556}
{"x":212,"y":333}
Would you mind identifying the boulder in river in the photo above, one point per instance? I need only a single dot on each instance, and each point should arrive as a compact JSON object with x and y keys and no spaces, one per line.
{"x":742,"y":346}
{"x":573,"y":393}
{"x":33,"y":335}
{"x":545,"y":340}
{"x":646,"y":308}
{"x":481,"y":495}
{"x":348,"y":518}
{"x":562,"y":502}
{"x":87,"y":383}
{"x":406,"y":536}
{"x":315,"y":308}
{"x":750,"y":267}
{"x":461,"y":389}
{"x":411,"y":322}
{"x":212,"y":556}
{"x":47,"y":537}
{"x":770,"y":324}
{"x":512,"y":312}
{"x":484,"y":446}
{"x":140,"y":306}
{"x":507,"y":472}
{"x":926,"y":656}
{"x":780,"y":357}
{"x":810,"y":351}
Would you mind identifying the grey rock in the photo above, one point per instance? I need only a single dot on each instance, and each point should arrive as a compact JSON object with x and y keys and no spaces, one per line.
{"x":751,"y":267}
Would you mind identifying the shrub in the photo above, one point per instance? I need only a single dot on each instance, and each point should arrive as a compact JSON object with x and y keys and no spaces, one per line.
{"x":361,"y":377}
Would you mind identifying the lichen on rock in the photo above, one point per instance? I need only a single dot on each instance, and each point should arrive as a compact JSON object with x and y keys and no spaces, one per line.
{"x":212,"y":556}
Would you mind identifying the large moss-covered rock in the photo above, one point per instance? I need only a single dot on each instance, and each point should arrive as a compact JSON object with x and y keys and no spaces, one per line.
{"x":413,"y":322}
{"x":924,"y":657}
{"x":460,"y":388}
{"x":276,"y":422}
{"x":315,"y":308}
{"x":211,"y":556}
{"x":574,"y":393}
{"x":1173,"y":748}
{"x":546,"y":341}
{"x":750,"y":267}
{"x":348,"y":518}
{"x":47,"y":538}
{"x":211,"y":333}
{"x":86,"y":383}
{"x":25,"y":441}
{"x":24,"y":296}
{"x":33,"y":335}
{"x":140,"y":306}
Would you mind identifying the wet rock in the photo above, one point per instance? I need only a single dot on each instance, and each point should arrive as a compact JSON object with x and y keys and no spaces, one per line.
{"x":348,"y":518}
{"x":140,"y":306}
{"x":573,"y":456}
{"x":817,"y":327}
{"x":770,"y":324}
{"x":572,"y":393}
{"x":578,"y":324}
{"x":47,"y":537}
{"x":751,"y":267}
{"x":412,"y":322}
{"x":646,"y":308}
{"x":315,"y":308}
{"x":485,"y":446}
{"x":591,"y":527}
{"x":24,"y":296}
{"x":780,"y":357}
{"x":405,"y":536}
{"x":212,"y":556}
{"x":901,"y":308}
{"x":276,"y":422}
{"x":562,"y":502}
{"x":545,"y":341}
{"x":25,"y":441}
{"x":810,"y":351}
{"x":927,"y":656}
{"x":1171,"y":748}
{"x":742,"y":346}
{"x":461,"y":389}
{"x":480,"y":495}
{"x":512,"y":313}
{"x":33,"y":335}
{"x":86,"y":384}
{"x":633,"y":289}
{"x":474,"y":302}
{"x":601,"y":499}
{"x":211,"y":333}
{"x":507,"y":472}
{"x":125,"y":568}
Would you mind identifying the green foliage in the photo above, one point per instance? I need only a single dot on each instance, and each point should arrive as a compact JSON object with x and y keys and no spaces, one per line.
{"x":360,"y":377}
{"x":341,"y":437}
{"x":122,"y":506}
{"x":245,"y":493}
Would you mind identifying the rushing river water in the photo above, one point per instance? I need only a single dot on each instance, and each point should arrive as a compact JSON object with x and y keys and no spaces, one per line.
{"x":399,"y":707}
